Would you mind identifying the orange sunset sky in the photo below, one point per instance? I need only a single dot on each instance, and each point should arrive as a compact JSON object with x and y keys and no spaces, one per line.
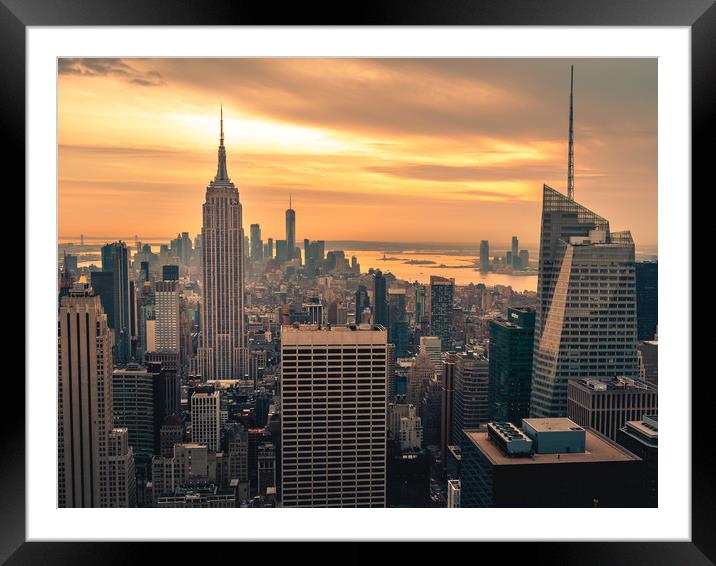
{"x":405,"y":150}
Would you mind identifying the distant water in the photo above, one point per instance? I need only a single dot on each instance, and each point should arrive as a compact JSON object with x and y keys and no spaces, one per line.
{"x":416,"y":266}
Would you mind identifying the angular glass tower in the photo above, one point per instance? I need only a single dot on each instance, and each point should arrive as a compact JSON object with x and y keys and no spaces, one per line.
{"x":586,"y":316}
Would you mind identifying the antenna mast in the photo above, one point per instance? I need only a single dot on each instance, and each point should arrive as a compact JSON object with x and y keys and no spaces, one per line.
{"x":570,"y":164}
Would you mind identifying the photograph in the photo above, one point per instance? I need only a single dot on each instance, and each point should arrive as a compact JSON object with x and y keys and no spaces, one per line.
{"x":347,"y":282}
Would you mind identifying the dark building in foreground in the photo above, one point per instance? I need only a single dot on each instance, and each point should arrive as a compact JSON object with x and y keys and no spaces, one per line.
{"x":511,"y":344}
{"x":647,"y":299}
{"x":642,"y":438}
{"x":550,"y":462}
{"x":408,"y":478}
{"x":605,"y":405}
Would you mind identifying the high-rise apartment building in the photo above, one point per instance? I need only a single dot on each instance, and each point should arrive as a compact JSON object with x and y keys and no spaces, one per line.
{"x":84,"y":417}
{"x":441,"y":310}
{"x":511,"y":345}
{"x":333,"y":416}
{"x":167,"y":335}
{"x":222,"y":352}
{"x":585,"y":324}
{"x":206,"y":419}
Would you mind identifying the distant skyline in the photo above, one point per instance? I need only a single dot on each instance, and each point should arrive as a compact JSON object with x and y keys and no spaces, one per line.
{"x":402,"y":150}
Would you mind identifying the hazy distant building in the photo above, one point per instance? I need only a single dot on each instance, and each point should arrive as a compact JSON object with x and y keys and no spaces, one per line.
{"x":585,"y":323}
{"x":484,"y":256}
{"x":441,"y":310}
{"x":515,"y":253}
{"x":362,"y":302}
{"x":84,"y":417}
{"x":290,"y":231}
{"x":398,"y":321}
{"x":257,"y":245}
{"x":222,"y":351}
{"x":333,"y":457}
{"x":170,"y":272}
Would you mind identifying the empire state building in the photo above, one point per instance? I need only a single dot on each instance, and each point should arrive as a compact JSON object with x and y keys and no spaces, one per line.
{"x":222,"y":347}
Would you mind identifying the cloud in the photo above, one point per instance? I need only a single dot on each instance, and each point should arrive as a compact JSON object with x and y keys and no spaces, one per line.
{"x":91,"y":67}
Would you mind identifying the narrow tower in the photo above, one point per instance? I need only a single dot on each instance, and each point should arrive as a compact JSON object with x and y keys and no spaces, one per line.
{"x":570,"y":164}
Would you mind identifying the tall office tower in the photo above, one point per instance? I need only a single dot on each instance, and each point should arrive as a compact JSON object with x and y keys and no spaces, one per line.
{"x":419,"y":376}
{"x":198,"y":247}
{"x":421,"y":300}
{"x":116,"y":256}
{"x":206,"y":419}
{"x":269,"y":243}
{"x":257,"y":245}
{"x":641,"y":437}
{"x":281,"y":251}
{"x":647,"y":299}
{"x":515,"y":253}
{"x":290,"y":230}
{"x":237,"y":448}
{"x":222,"y":352}
{"x":430,"y":345}
{"x":185,"y":248}
{"x":585,"y":325}
{"x":484,"y":256}
{"x":166,"y":314}
{"x":380,"y":303}
{"x":408,"y":427}
{"x":84,"y":417}
{"x":524,"y":259}
{"x":266,"y":467}
{"x":605,"y":405}
{"x":102,"y":284}
{"x":122,"y":482}
{"x":398,"y":321}
{"x":441,"y":310}
{"x":133,"y":408}
{"x":392,"y":361}
{"x":333,"y":416}
{"x":144,"y":272}
{"x":511,"y":346}
{"x":362,"y":302}
{"x":447,"y":387}
{"x":470,"y":393}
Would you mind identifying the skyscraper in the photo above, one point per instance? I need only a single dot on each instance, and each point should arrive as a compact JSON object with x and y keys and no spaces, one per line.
{"x":484,"y":256}
{"x":441,"y":310}
{"x":206,"y":419}
{"x":333,"y":416}
{"x":647,"y":299}
{"x":257,"y":245}
{"x":222,"y":351}
{"x":166,"y":314}
{"x":470,"y":393}
{"x":515,"y":253}
{"x":84,"y":400}
{"x":398,"y":322}
{"x":511,"y":346}
{"x":290,"y":231}
{"x":585,"y":324}
{"x":116,"y":255}
{"x":380,"y":306}
{"x":362,"y":303}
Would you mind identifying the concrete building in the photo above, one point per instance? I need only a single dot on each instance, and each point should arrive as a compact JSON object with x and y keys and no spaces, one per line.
{"x":121,"y":482}
{"x":206,"y":419}
{"x":470,"y":396}
{"x":605,"y":405}
{"x":333,"y":416}
{"x":84,"y":417}
{"x":166,"y":314}
{"x":551,"y":462}
{"x":453,"y":496}
{"x":430,"y":345}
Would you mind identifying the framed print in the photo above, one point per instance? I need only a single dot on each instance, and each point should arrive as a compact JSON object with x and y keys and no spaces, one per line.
{"x":409,"y":277}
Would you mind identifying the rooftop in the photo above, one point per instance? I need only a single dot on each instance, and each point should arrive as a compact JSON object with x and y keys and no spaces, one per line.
{"x":598,"y":449}
{"x":561,"y":424}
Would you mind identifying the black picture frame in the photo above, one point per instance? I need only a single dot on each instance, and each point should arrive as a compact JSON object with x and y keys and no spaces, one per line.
{"x":699,"y":15}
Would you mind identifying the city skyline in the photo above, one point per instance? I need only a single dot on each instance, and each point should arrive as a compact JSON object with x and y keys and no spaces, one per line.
{"x":462,"y":138}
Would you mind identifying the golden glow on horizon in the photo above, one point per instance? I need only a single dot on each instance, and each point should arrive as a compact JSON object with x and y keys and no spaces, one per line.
{"x":402,"y":150}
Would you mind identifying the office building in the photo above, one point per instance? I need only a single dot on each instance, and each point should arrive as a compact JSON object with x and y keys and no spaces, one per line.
{"x":133,"y":408}
{"x":510,"y":365}
{"x":170,"y":272}
{"x":116,"y":255}
{"x":380,"y":303}
{"x":514,"y":252}
{"x":470,"y":392}
{"x":206,"y":419}
{"x":647,"y":299}
{"x":585,"y":324}
{"x":549,"y":462}
{"x":441,"y":310}
{"x":453,"y":496}
{"x":333,"y":416}
{"x":362,"y":302}
{"x":418,"y":379}
{"x":290,"y":230}
{"x":605,"y":405}
{"x":484,"y":256}
{"x":430,"y":345}
{"x":266,"y":465}
{"x":648,"y":356}
{"x":222,"y":352}
{"x":314,"y":308}
{"x":167,"y":334}
{"x":121,"y":482}
{"x":641,"y":437}
{"x":398,"y":321}
{"x":447,"y":394}
{"x":257,"y":244}
{"x":84,"y":400}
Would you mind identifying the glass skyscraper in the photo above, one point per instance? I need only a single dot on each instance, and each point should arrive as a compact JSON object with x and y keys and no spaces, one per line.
{"x":441,"y":310}
{"x":586,"y":316}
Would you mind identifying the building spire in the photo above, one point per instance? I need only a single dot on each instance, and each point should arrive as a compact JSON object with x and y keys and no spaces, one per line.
{"x":221,"y":173}
{"x":570,"y":163}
